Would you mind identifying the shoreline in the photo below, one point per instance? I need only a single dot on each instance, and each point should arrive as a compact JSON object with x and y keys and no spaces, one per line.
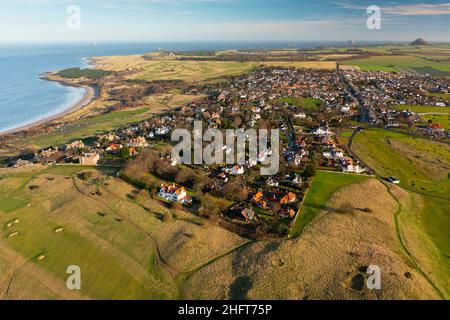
{"x":90,"y":94}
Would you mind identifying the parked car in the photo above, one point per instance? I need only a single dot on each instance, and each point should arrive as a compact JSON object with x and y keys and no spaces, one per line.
{"x":394,"y":180}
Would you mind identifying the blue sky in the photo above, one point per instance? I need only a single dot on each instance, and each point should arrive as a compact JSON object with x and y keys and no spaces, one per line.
{"x":232,"y":20}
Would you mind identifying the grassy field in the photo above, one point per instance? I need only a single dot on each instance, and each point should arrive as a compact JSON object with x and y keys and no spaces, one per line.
{"x":424,"y":169}
{"x":308,"y":104}
{"x":422,"y":165}
{"x":439,"y":115}
{"x":128,"y":247}
{"x":434,"y":220}
{"x":163,"y":67}
{"x":424,"y":228}
{"x":399,"y":63}
{"x":324,"y":185}
{"x":445,"y":96}
{"x":423,"y":109}
{"x":332,"y":253}
{"x":112,"y":231}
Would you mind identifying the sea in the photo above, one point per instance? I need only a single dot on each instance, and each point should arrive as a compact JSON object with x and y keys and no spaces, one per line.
{"x":25,"y":98}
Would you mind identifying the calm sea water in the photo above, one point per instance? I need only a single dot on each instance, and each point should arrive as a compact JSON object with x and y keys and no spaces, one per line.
{"x":24,"y":98}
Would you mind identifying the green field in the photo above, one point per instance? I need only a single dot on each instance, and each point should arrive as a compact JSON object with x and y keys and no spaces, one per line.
{"x":422,"y":165}
{"x":437,"y":227}
{"x":400,"y":63}
{"x":423,"y":109}
{"x":323,"y":186}
{"x":124,"y":248}
{"x":424,"y":230}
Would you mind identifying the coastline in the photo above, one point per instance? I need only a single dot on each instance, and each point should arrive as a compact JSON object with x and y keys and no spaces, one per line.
{"x":90,"y":94}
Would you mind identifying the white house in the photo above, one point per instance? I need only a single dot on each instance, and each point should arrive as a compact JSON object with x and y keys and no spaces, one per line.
{"x":354,"y":169}
{"x":174,"y":193}
{"x":322,"y":131}
{"x":236,"y":170}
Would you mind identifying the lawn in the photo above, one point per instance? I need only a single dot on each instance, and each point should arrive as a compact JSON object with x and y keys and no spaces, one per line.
{"x":399,"y":63}
{"x":323,"y":186}
{"x":87,"y":73}
{"x":422,"y":165}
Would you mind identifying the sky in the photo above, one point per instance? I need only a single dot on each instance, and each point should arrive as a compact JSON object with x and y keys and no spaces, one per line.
{"x":221,"y":20}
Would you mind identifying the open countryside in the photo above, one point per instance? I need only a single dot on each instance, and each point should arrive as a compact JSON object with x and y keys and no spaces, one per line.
{"x":364,"y":176}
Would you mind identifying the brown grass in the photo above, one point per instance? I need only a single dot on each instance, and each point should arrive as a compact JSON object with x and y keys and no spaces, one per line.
{"x":322,"y":263}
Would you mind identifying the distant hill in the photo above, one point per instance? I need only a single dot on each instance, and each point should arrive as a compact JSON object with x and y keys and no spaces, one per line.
{"x":420,"y":42}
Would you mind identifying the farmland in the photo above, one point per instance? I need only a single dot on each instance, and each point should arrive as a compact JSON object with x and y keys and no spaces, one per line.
{"x":441,"y":119}
{"x":308,"y":104}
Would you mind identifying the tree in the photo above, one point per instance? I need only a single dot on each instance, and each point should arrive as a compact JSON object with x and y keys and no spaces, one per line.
{"x":212,"y":206}
{"x":310,"y":170}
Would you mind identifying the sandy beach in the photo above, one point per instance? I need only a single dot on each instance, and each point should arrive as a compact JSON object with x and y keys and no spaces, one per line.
{"x":90,"y":94}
